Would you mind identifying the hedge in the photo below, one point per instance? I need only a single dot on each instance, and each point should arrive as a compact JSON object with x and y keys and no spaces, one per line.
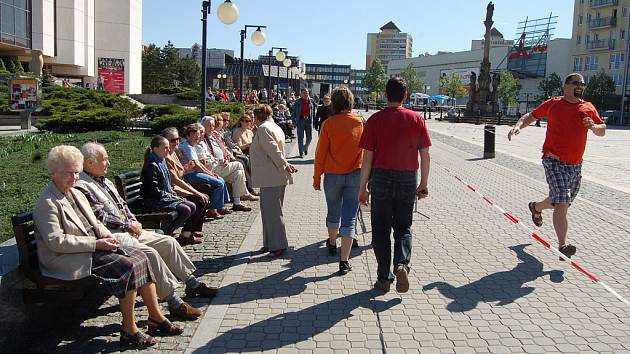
{"x":91,"y":120}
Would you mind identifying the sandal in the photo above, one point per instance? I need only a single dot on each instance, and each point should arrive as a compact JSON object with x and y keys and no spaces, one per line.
{"x":536,"y":215}
{"x":567,"y":250}
{"x":138,"y":339}
{"x":165,"y":327}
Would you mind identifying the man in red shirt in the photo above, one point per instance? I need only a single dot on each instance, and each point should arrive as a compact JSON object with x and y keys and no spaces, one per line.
{"x":569,"y":118}
{"x":391,"y":141}
{"x":303,"y":115}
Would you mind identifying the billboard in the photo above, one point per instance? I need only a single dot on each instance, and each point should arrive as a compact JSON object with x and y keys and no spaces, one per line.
{"x":111,"y":75}
{"x":24,"y":94}
{"x":528,"y":56}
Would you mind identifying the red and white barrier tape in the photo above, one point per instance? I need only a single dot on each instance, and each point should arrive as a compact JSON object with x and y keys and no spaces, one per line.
{"x":541,"y":240}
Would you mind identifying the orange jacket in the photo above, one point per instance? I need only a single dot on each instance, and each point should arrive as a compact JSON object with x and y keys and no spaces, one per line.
{"x":338,"y":148}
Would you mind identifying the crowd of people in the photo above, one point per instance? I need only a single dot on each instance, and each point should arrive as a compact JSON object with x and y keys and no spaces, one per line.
{"x":84,"y":227}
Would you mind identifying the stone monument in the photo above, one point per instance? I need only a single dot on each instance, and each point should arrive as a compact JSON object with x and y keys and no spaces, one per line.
{"x":483,"y":93}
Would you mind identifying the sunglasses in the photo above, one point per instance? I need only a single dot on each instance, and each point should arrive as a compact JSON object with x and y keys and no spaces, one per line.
{"x":174,"y":140}
{"x":246,"y":120}
{"x":578,"y":83}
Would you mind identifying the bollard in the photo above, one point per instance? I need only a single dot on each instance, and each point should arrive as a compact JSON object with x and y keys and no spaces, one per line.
{"x":488,"y":141}
{"x":367,"y":107}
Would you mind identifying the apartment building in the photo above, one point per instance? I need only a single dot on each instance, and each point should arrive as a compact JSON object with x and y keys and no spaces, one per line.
{"x":600,"y":31}
{"x":388,"y":44}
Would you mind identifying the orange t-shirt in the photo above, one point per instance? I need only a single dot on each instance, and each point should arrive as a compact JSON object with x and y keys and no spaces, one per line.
{"x":338,"y":148}
{"x":566,"y":132}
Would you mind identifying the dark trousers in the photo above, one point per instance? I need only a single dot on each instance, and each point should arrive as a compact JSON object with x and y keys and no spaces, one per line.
{"x":195,"y":222}
{"x":393,"y":194}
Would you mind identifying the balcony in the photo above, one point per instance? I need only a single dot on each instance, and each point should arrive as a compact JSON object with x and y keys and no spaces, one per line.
{"x":595,"y":4}
{"x":603,"y":22}
{"x":601,"y":44}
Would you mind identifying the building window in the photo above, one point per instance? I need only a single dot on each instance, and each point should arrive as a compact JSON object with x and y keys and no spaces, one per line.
{"x":579,"y":39}
{"x":580,"y":20}
{"x":15,"y":22}
{"x":591,"y":63}
{"x":616,"y":61}
{"x":622,"y":34}
{"x":577,"y":64}
{"x":624,"y":12}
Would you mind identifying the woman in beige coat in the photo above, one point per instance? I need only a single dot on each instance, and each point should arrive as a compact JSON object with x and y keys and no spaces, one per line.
{"x":271,"y":173}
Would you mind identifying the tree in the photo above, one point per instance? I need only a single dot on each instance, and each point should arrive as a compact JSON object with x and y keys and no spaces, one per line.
{"x":189,"y":73}
{"x":414,"y":84}
{"x":375,"y":78}
{"x":452,"y":85}
{"x":600,"y":90}
{"x":169,"y":57}
{"x":550,"y":86}
{"x":509,"y":87}
{"x":18,"y":67}
{"x":151,"y":69}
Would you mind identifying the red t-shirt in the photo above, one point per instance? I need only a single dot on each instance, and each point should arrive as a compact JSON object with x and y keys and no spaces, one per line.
{"x":395,"y":135}
{"x":306,"y":108}
{"x":566,"y":132}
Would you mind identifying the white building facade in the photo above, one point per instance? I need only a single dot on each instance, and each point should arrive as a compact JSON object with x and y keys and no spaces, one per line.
{"x":78,"y":39}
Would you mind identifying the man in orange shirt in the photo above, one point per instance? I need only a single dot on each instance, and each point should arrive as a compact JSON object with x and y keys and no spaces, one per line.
{"x":569,"y":118}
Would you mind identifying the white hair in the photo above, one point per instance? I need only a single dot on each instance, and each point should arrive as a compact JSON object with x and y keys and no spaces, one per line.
{"x":207,"y":120}
{"x":61,"y":156}
{"x":92,"y":151}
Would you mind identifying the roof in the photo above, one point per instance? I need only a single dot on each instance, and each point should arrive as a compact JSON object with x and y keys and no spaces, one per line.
{"x":390,"y":26}
{"x":495,"y":33}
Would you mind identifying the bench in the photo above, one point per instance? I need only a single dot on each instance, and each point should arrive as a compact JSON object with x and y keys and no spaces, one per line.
{"x":128,"y":185}
{"x":37,"y":287}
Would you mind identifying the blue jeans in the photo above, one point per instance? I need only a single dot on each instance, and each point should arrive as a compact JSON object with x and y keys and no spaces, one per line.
{"x":304,"y":126}
{"x":393,"y":194}
{"x":219,"y":194}
{"x":342,"y":199}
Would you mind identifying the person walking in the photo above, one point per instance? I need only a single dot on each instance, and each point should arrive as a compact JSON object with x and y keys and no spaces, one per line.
{"x":338,"y":157}
{"x":391,"y":141}
{"x":303,"y":115}
{"x":271,"y":172}
{"x":323,"y":112}
{"x":569,"y":118}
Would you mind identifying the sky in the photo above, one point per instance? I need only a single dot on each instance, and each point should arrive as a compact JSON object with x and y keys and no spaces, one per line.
{"x":335,"y":31}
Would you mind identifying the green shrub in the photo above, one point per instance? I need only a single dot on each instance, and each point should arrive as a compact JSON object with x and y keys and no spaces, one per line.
{"x":154,"y":111}
{"x":189,"y":95}
{"x":93,"y":120}
{"x":178,"y":120}
{"x":234,"y":108}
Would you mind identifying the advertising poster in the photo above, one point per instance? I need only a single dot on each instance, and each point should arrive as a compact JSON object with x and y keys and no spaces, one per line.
{"x":111,"y":75}
{"x":24,"y":94}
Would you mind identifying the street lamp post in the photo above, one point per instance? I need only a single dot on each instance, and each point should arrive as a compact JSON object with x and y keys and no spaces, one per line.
{"x":287,"y":63}
{"x":228,"y":13}
{"x":221,"y":76}
{"x":258,"y":38}
{"x":279,"y":57}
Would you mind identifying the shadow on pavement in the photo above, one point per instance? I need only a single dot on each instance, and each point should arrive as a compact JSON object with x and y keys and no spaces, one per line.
{"x":504,"y":287}
{"x":284,"y":283}
{"x":294,"y":327}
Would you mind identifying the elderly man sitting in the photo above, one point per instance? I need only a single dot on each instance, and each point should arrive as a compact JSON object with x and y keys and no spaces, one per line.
{"x":167,"y":258}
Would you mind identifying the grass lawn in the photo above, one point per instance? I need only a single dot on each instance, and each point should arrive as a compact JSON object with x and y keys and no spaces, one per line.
{"x":23,"y":173}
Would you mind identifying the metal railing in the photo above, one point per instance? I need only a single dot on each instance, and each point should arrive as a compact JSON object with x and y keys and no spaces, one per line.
{"x":603,"y":22}
{"x":601,"y":44}
{"x":602,"y":3}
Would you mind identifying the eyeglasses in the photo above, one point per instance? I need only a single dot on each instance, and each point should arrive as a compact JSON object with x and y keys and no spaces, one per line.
{"x":247,"y":120}
{"x":174,"y":140}
{"x":578,"y":83}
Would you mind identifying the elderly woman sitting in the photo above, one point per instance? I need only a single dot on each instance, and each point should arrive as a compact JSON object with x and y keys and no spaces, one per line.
{"x":72,"y":244}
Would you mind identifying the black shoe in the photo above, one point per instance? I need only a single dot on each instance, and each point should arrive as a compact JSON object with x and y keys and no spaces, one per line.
{"x":355,"y":243}
{"x":300,"y":156}
{"x":344,"y":267}
{"x":567,"y":250}
{"x":305,"y":152}
{"x":332,"y":249}
{"x":383,"y":285}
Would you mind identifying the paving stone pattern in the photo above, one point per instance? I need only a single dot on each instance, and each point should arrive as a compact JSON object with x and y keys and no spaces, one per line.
{"x":478,"y":284}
